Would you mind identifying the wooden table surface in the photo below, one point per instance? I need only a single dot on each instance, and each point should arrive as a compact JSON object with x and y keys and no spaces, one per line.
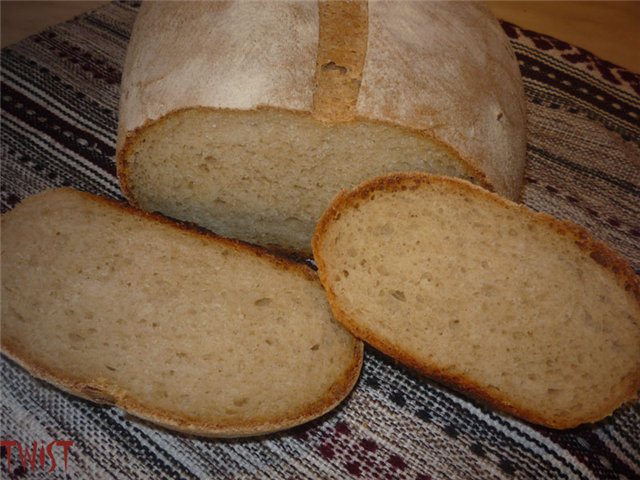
{"x":611,"y":30}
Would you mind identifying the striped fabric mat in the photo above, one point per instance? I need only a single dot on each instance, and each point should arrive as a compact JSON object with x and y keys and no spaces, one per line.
{"x":60,"y":92}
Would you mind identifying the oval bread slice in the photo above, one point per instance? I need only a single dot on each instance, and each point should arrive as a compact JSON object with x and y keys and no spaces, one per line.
{"x":515,"y":307}
{"x":185,"y":329}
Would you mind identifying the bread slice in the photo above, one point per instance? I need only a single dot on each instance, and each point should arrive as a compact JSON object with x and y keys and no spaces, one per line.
{"x":248,"y":121}
{"x":511,"y":306}
{"x":191,"y":331}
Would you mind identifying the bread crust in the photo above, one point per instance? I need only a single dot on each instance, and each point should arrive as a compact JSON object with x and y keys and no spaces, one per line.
{"x":342,"y":47}
{"x":101,"y":392}
{"x":596,"y":249}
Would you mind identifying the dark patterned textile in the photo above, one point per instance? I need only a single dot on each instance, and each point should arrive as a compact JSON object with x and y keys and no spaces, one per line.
{"x":60,"y":93}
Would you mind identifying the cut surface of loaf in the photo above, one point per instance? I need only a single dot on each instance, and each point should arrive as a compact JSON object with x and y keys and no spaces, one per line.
{"x":514,"y":307}
{"x":248,"y":121}
{"x":274,"y":174}
{"x":193,"y":332}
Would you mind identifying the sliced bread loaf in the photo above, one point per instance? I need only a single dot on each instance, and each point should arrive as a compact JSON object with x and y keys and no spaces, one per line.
{"x":514,"y":307}
{"x":248,"y":120}
{"x":191,"y":331}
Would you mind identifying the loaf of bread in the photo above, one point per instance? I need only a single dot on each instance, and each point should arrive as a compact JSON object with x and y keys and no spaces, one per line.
{"x":193,"y":332}
{"x":247,"y":120}
{"x":514,"y":307}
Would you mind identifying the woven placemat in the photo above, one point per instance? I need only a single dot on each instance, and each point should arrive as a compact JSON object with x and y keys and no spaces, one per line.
{"x":60,"y":92}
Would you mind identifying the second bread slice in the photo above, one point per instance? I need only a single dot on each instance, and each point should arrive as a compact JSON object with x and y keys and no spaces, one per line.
{"x":191,"y":331}
{"x":514,"y":307}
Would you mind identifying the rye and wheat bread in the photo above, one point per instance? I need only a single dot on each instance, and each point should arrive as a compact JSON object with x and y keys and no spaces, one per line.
{"x":511,"y":306}
{"x":248,"y":121}
{"x":188,"y":330}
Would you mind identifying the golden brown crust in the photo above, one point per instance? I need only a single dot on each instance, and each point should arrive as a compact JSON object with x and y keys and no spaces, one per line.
{"x":597,"y":250}
{"x":342,"y":47}
{"x":107,"y":393}
{"x":122,"y":169}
